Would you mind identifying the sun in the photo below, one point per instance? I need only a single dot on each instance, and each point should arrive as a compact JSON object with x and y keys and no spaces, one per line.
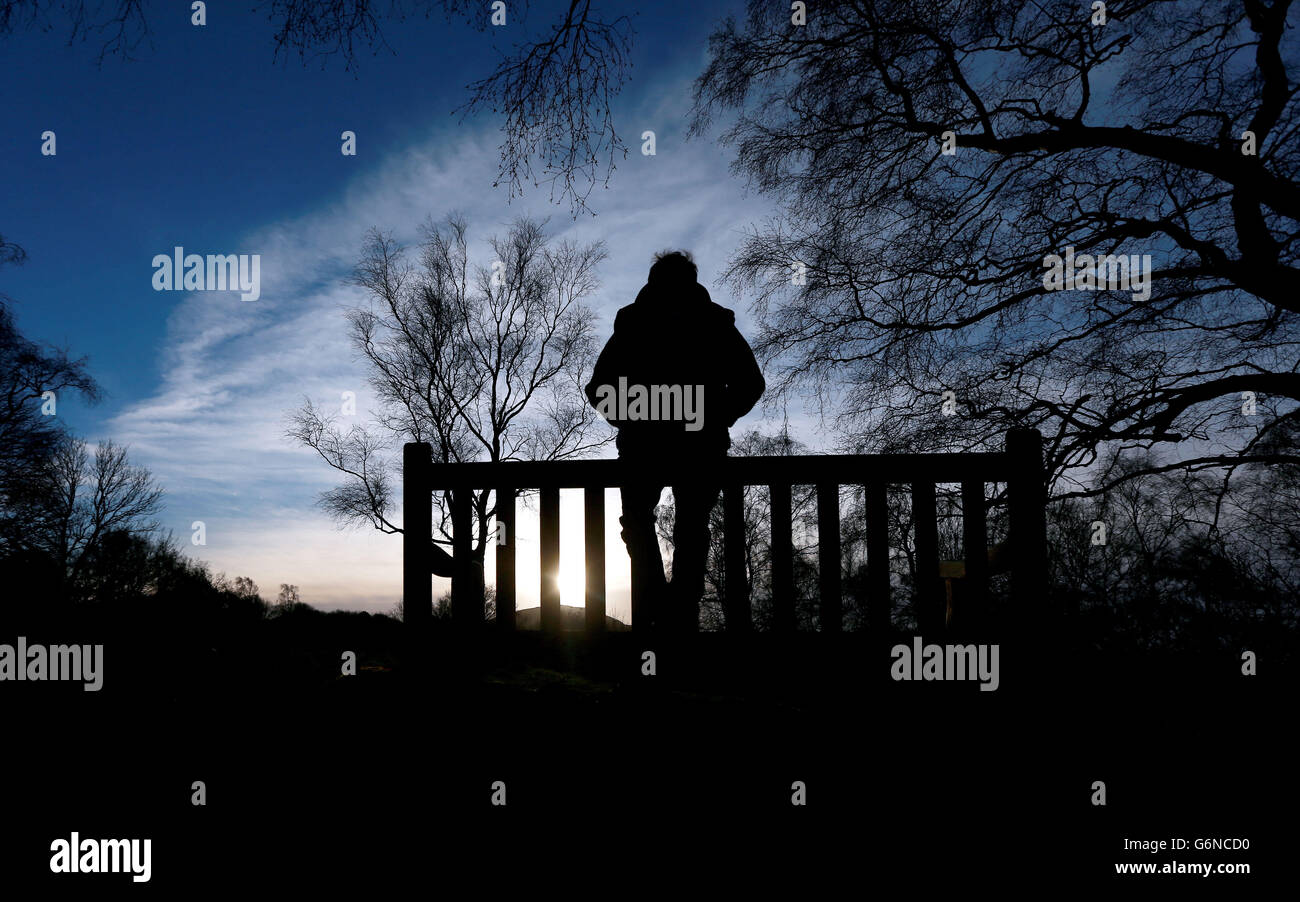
{"x":572,"y":581}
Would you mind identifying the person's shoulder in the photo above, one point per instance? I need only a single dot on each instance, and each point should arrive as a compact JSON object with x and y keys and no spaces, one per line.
{"x":626,"y":316}
{"x":723,"y":317}
{"x":722,"y":320}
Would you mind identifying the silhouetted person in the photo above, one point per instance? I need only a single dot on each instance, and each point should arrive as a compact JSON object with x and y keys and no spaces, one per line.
{"x":673,"y":378}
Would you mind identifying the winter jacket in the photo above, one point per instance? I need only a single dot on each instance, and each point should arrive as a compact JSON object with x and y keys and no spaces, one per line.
{"x":695,"y":372}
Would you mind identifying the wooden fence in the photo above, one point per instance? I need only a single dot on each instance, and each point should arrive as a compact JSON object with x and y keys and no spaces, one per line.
{"x":1019,"y":466}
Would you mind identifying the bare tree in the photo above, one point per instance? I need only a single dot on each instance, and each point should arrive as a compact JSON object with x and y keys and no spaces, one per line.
{"x":483,"y":362}
{"x":33,"y":381}
{"x":557,"y":96}
{"x":244,"y":587}
{"x":119,"y":26}
{"x":77,"y":500}
{"x":1169,"y":130}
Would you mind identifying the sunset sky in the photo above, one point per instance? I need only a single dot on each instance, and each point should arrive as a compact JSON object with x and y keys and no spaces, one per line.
{"x":234,"y":153}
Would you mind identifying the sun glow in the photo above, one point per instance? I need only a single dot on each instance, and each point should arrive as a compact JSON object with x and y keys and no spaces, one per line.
{"x":572,"y":581}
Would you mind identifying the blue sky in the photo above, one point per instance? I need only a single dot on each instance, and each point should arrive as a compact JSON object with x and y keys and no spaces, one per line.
{"x":204,"y":141}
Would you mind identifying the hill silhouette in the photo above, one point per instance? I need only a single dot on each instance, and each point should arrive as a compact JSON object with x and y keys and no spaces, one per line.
{"x":571,"y":619}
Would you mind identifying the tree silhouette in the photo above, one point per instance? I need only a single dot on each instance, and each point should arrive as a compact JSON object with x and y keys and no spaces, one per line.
{"x":33,"y":380}
{"x":244,"y":587}
{"x":288,"y":599}
{"x":483,"y":362}
{"x":75,"y":501}
{"x":925,"y":271}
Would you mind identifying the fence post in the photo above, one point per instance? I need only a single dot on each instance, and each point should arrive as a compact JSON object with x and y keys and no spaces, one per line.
{"x":467,"y":581}
{"x":1027,"y":527}
{"x":973,"y":609}
{"x":783,"y":617}
{"x":417,"y":533}
{"x":505,"y":557}
{"x":550,"y":561}
{"x":738,"y":617}
{"x":928,"y":602}
{"x":879,"y":602}
{"x":828,"y":555}
{"x":593,"y":527}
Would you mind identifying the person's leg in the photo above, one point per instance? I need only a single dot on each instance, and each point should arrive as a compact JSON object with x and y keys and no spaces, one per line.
{"x":690,"y":553}
{"x":642,"y":541}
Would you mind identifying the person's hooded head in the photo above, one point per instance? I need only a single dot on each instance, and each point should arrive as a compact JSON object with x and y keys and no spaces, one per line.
{"x":673,"y":270}
{"x":672,"y":289}
{"x":674,"y":309}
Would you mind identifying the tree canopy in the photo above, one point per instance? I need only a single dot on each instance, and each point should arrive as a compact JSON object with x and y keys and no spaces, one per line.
{"x":1169,"y":131}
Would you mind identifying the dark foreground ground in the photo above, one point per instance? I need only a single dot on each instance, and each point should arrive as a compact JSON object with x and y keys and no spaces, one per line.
{"x":619,"y":782}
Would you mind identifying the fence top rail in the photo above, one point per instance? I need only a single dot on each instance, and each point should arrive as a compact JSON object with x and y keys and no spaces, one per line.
{"x":812,"y":469}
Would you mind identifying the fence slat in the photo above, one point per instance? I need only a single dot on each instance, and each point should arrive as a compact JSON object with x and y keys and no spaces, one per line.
{"x":783,"y":620}
{"x":738,"y":616}
{"x":505,"y":558}
{"x":975,"y":545}
{"x":879,"y":603}
{"x":928,"y":603}
{"x":550,"y":563}
{"x":466,"y":583}
{"x":1027,"y":528}
{"x":593,"y":527}
{"x":417,"y":533}
{"x":828,"y":556}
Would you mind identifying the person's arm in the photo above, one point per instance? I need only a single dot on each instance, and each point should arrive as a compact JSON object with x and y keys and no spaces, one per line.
{"x":745,"y":383}
{"x":600,"y":372}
